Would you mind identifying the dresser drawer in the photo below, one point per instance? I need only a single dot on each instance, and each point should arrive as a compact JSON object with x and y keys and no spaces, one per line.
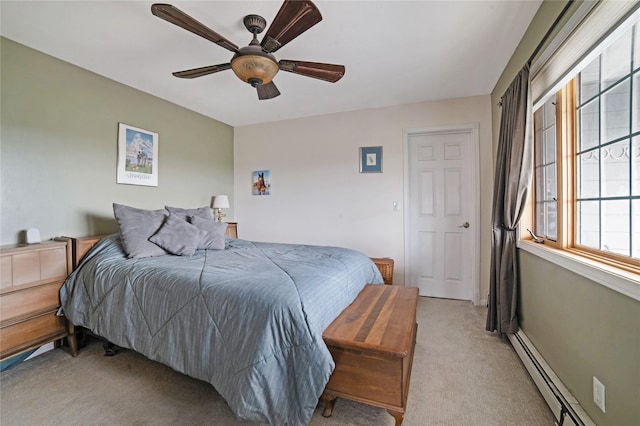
{"x":32,"y":300}
{"x":33,"y":332}
{"x":26,"y":265}
{"x":30,"y":280}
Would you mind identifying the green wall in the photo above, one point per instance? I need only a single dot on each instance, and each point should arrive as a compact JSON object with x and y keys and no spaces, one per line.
{"x":58,"y":148}
{"x":581,"y":328}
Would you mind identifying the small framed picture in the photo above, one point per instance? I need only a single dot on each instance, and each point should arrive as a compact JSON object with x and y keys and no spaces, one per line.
{"x":371,"y":159}
{"x":261,"y":182}
{"x":137,"y":156}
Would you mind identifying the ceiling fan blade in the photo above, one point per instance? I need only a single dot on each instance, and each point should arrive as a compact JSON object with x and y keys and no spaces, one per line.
{"x":293,"y":18}
{"x":268,"y":91}
{"x":326,"y":72}
{"x":199,"y":72}
{"x":177,"y":17}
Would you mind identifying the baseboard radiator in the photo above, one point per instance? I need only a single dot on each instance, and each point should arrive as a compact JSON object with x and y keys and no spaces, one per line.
{"x":564,"y":406}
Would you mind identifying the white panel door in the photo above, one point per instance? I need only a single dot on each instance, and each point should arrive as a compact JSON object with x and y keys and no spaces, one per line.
{"x":440,"y":210}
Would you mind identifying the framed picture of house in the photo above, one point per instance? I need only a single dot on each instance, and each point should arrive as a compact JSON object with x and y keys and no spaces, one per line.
{"x":371,"y":159}
{"x":137,"y":156}
{"x":261,"y":182}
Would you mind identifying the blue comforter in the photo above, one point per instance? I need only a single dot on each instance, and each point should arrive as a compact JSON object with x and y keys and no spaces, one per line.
{"x":247,"y":319}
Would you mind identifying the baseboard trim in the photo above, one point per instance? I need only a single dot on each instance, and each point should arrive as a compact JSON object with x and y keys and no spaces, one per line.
{"x":566,"y":409}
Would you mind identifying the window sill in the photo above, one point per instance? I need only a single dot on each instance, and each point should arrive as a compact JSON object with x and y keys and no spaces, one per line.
{"x":616,"y":279}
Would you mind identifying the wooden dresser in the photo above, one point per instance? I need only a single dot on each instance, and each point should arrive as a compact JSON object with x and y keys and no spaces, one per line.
{"x":30,"y":280}
{"x":372,"y":343}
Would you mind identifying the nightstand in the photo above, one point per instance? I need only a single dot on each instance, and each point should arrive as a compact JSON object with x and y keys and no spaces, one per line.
{"x":232,"y":229}
{"x":385,"y":265}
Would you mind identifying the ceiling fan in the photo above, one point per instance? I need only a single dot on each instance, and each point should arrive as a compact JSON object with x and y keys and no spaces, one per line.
{"x":255,"y":63}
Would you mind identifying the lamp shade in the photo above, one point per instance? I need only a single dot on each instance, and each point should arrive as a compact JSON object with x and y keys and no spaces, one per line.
{"x":220,"y":202}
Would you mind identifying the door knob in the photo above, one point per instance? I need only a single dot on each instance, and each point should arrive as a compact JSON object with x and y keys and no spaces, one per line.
{"x":464,"y":225}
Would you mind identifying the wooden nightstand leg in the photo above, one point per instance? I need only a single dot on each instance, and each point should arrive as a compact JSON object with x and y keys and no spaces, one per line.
{"x":329,"y":401}
{"x":398,"y":416}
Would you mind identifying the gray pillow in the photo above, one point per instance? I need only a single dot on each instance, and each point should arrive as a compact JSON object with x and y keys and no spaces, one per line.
{"x":202,"y":212}
{"x":136,"y":226}
{"x":211,"y":233}
{"x":177,"y":236}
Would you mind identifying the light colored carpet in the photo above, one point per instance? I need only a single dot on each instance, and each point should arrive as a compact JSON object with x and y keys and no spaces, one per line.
{"x":462,"y":375}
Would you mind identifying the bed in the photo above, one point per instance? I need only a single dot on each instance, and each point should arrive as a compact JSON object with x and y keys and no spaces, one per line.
{"x":247,"y":318}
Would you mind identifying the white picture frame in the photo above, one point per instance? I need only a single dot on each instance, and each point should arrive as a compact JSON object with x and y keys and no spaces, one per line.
{"x":137,"y":156}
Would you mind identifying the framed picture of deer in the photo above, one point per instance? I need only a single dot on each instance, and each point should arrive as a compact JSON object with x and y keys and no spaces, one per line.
{"x":137,"y":156}
{"x":261,"y":182}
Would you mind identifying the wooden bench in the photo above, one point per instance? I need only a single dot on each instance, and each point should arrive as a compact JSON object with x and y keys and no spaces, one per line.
{"x":372,"y":343}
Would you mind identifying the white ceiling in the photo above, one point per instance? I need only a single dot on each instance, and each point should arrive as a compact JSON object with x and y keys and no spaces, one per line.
{"x":395,"y":52}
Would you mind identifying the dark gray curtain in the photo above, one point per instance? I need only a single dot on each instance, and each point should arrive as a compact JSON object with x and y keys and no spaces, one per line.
{"x":514,"y":166}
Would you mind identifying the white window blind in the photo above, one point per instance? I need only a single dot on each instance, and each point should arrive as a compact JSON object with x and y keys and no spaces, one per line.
{"x":590,"y":30}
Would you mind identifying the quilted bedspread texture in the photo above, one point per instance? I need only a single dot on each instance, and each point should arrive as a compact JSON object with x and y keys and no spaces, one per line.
{"x":247,"y":319}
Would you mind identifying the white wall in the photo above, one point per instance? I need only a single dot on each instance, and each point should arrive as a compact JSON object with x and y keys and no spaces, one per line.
{"x":319,"y":196}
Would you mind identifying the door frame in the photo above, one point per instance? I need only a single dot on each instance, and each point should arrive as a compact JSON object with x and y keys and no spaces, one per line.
{"x":474,"y":173}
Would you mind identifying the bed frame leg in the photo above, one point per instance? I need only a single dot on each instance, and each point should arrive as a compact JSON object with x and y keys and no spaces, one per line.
{"x":71,"y":338}
{"x":109,"y":348}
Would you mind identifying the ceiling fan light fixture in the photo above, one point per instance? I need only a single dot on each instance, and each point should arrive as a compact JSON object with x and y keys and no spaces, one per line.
{"x":251,"y":64}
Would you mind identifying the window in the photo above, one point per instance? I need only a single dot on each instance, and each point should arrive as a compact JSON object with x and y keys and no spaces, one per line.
{"x":587,"y":158}
{"x":545,"y":170}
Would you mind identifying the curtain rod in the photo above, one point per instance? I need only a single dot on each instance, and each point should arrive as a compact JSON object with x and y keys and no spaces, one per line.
{"x":550,"y":30}
{"x":546,"y":36}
